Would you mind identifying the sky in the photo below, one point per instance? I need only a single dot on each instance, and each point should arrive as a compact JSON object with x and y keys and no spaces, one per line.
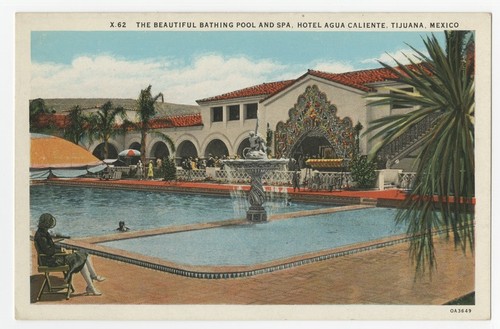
{"x":187,"y":66}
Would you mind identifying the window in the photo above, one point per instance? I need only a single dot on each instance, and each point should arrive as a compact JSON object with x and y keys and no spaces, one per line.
{"x":394,"y":105}
{"x":251,"y":111}
{"x":234,"y":112}
{"x":217,"y":114}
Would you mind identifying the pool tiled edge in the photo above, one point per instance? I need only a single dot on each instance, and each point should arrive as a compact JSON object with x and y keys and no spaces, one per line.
{"x":231,"y":272}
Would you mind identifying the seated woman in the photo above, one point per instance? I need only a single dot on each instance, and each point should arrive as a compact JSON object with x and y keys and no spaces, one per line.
{"x":77,"y":261}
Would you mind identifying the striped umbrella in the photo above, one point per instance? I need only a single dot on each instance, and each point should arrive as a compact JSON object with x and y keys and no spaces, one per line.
{"x":129,"y":153}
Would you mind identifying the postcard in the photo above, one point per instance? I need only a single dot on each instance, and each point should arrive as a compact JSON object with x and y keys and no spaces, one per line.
{"x":253,"y":166}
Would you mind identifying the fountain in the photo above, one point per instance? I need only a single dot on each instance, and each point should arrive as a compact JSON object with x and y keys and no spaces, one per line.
{"x":256,"y":164}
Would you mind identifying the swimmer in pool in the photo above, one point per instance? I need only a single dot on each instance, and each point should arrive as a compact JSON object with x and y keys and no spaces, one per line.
{"x":122,"y":227}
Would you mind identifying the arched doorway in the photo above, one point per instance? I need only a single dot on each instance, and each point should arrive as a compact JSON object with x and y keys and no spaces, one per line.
{"x":135,"y":146}
{"x":245,"y":143}
{"x":160,"y":150}
{"x":313,"y":126}
{"x":313,"y":144}
{"x":185,"y":149}
{"x":216,"y":148}
{"x":99,"y":151}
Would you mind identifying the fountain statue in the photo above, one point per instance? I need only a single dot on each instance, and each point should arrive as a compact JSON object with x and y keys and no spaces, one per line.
{"x":258,"y":149}
{"x":256,"y":164}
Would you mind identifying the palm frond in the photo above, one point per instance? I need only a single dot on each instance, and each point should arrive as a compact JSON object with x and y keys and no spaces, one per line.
{"x":443,"y":193}
{"x":146,"y":110}
{"x":165,"y":138}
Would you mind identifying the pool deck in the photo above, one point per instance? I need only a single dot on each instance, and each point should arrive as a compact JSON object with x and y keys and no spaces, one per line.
{"x":383,"y":276}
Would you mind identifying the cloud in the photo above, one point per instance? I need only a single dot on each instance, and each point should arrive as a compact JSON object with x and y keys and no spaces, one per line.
{"x":207,"y":75}
{"x":333,"y":67}
{"x":105,"y":76}
{"x":294,"y":71}
{"x":211,"y":75}
{"x":388,"y":58}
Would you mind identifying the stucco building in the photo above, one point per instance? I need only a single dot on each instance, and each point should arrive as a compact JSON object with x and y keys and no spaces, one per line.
{"x":313,"y":115}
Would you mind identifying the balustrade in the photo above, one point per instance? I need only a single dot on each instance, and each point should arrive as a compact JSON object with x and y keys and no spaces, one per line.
{"x":194,"y":175}
{"x":407,"y":140}
{"x":326,"y":181}
{"x":407,"y":180}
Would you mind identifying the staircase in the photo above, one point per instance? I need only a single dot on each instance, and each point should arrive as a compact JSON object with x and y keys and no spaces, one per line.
{"x":407,"y":142}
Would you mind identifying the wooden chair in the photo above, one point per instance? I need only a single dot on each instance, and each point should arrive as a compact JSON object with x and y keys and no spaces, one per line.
{"x":65,"y":288}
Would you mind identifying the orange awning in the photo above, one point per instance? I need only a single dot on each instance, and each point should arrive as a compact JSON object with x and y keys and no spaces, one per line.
{"x":54,"y":152}
{"x":56,"y":157}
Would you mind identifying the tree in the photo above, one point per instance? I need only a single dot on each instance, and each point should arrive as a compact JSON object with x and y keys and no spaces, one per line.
{"x":363,"y":171}
{"x":146,"y":111}
{"x":38,"y":108}
{"x":103,"y":126}
{"x":443,"y":192}
{"x":361,"y":168}
{"x":169,"y":169}
{"x":357,"y":129}
{"x":78,"y":125}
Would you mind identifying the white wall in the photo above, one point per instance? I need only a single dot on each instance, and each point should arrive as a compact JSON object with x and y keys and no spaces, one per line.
{"x":233,"y":131}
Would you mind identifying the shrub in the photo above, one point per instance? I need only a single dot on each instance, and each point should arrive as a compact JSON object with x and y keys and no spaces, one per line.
{"x":169,"y":169}
{"x":363,"y":171}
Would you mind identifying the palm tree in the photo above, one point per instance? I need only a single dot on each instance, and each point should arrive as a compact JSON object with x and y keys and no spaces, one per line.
{"x":443,"y":193}
{"x":103,"y":124}
{"x":146,"y":111}
{"x":78,"y":125}
{"x":37,"y":108}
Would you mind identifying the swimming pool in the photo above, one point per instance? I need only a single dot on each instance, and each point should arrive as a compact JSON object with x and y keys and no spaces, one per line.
{"x":84,"y":211}
{"x":241,"y":245}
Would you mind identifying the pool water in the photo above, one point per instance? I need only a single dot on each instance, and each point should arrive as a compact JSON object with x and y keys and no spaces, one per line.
{"x":84,"y":212}
{"x":258,"y":243}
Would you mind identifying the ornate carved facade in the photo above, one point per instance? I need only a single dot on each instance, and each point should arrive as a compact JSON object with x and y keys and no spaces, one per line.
{"x":314,"y":115}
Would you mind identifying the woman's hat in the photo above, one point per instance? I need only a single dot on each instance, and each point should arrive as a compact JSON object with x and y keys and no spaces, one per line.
{"x":46,"y":221}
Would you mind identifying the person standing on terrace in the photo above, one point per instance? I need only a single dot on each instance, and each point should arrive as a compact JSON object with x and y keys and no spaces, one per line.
{"x":140,"y":170}
{"x":150,"y":170}
{"x":296,"y":180}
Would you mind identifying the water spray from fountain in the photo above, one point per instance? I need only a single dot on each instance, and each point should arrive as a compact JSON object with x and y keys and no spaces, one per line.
{"x":239,"y":201}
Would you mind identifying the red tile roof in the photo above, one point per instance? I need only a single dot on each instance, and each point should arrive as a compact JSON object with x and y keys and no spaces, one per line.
{"x":51,"y":120}
{"x":355,"y":79}
{"x":61,"y":121}
{"x":263,"y":89}
{"x":176,"y":121}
